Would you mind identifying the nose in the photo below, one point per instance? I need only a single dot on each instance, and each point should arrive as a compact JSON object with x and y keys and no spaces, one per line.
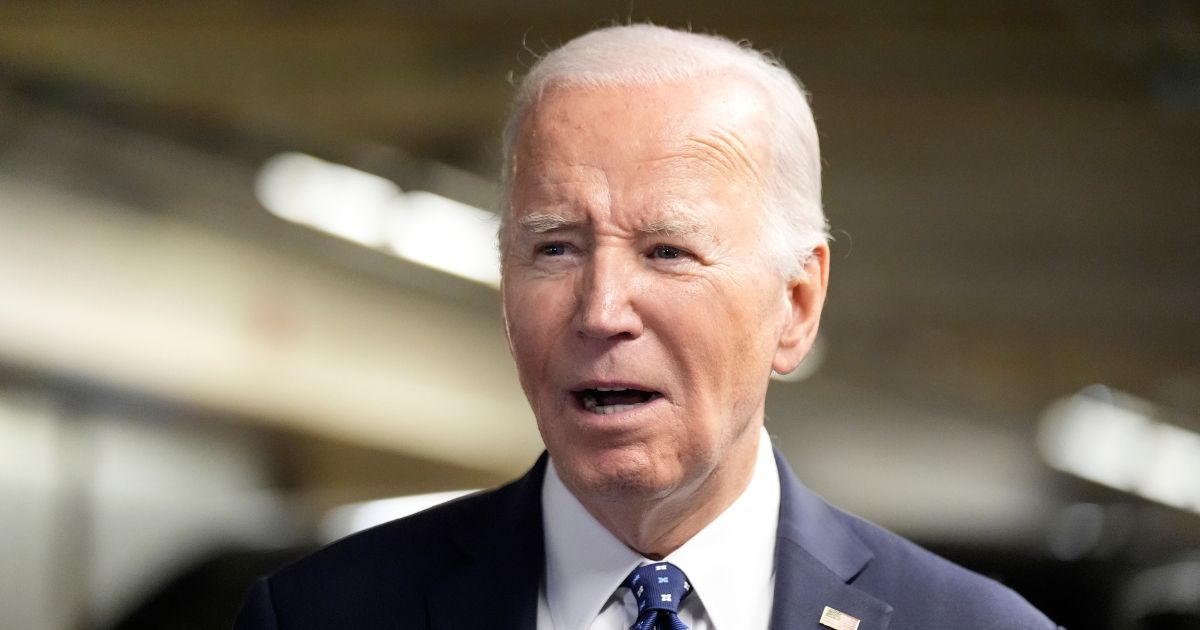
{"x":605,"y":307}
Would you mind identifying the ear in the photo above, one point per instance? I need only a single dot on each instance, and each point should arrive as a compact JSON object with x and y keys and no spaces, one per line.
{"x":804,"y":299}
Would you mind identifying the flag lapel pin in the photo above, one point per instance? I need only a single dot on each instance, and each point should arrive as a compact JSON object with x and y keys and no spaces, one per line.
{"x":838,"y":620}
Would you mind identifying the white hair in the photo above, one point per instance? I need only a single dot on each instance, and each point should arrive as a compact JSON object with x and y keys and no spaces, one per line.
{"x":644,"y":54}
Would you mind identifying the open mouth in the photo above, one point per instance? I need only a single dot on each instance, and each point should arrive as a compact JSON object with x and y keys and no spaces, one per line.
{"x":605,"y":400}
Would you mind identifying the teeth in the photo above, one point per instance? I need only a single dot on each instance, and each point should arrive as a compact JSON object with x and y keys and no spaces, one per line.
{"x":591,"y":404}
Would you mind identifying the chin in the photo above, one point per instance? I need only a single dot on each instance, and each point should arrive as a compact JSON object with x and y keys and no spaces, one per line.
{"x":615,"y":476}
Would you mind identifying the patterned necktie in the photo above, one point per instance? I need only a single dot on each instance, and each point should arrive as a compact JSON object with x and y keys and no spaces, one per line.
{"x":659,"y":589}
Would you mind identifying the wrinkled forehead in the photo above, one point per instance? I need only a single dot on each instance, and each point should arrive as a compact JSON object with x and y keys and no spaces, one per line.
{"x":715,"y":124}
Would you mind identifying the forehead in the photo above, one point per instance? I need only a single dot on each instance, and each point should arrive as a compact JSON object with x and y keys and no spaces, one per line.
{"x":701,"y":131}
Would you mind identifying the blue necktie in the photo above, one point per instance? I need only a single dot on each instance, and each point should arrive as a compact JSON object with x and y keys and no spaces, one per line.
{"x":659,"y":588}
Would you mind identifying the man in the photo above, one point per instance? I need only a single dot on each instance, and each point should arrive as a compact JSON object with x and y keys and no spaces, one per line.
{"x":663,"y":250}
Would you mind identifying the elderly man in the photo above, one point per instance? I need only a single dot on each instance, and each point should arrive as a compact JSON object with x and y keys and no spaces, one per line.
{"x":663,"y":251}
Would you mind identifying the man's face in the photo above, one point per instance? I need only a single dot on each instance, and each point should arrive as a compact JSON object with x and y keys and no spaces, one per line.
{"x":641,"y":306}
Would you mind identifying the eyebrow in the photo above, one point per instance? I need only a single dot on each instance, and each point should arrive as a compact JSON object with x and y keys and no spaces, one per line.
{"x":545,"y":222}
{"x":542,"y":222}
{"x":673,"y":226}
{"x":680,"y":223}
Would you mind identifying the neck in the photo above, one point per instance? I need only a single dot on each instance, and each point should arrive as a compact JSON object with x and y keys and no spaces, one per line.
{"x":657,"y":526}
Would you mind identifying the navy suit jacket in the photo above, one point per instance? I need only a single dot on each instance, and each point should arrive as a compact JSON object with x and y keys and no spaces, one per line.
{"x":477,"y":562}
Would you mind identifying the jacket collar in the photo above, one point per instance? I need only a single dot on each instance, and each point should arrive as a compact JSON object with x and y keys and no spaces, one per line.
{"x":817,"y":558}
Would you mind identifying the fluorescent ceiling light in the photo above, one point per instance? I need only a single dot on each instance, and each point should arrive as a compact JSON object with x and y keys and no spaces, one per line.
{"x":340,"y":200}
{"x":445,"y":234}
{"x":367,"y":209}
{"x":1113,"y":439}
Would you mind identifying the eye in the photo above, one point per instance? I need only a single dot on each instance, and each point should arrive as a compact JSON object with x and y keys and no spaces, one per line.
{"x":666,"y":251}
{"x":553,"y":249}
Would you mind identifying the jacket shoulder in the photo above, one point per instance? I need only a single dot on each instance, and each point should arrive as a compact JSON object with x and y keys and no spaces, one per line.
{"x":384,"y":571}
{"x":928,"y":591}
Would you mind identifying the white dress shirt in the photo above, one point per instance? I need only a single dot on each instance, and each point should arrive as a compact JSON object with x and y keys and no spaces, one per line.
{"x":730,"y":563}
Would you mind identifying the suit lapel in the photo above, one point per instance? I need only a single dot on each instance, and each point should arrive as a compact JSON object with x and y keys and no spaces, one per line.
{"x":817,"y":558}
{"x":497,"y":586}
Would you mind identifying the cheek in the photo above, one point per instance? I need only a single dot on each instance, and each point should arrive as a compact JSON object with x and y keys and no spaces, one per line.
{"x":535,"y":317}
{"x":746,"y":335}
{"x":523,"y":325}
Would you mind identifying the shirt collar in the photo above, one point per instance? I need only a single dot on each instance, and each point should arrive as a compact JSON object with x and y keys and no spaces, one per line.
{"x":585,"y":563}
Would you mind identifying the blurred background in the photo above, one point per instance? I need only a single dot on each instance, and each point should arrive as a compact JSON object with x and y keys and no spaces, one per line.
{"x":247,"y":286}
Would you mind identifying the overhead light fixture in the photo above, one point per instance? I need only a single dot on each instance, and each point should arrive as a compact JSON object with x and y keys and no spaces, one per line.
{"x":420,"y":226}
{"x":445,"y":234}
{"x":333,"y":198}
{"x":1115,"y":439}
